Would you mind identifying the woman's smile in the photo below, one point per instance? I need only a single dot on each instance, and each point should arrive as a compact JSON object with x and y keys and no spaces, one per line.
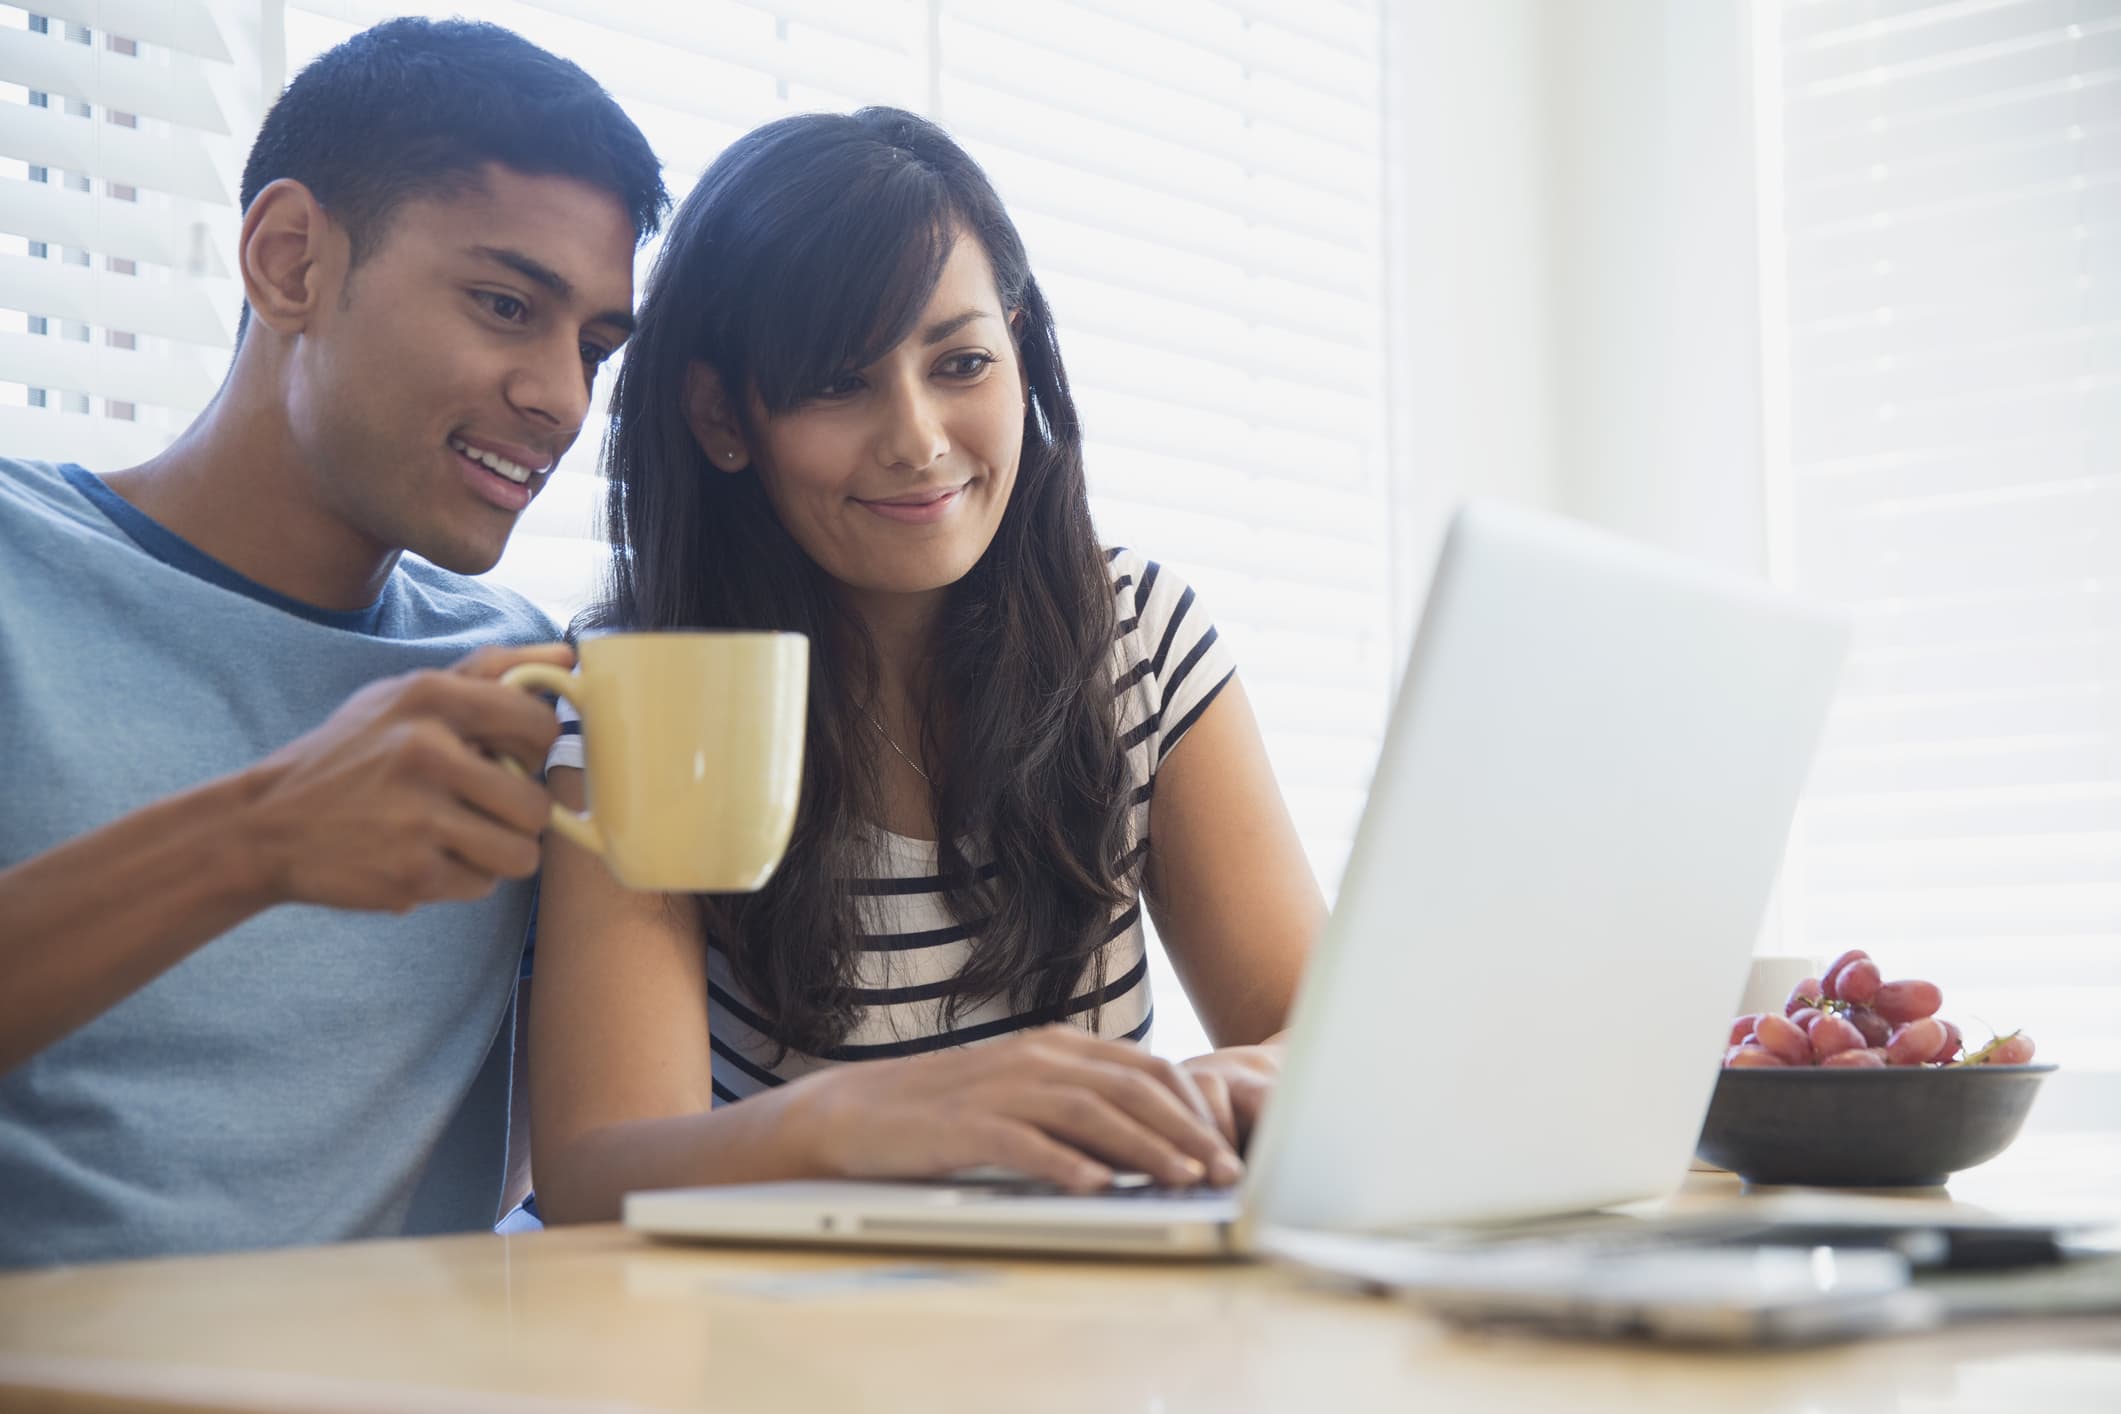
{"x":924,"y":507}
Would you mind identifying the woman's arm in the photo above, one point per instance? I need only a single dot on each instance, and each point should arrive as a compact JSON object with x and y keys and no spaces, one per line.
{"x":621,"y":1080}
{"x":1232,"y":894}
{"x":620,"y":1076}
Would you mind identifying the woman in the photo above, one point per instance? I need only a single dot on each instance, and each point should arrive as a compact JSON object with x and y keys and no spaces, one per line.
{"x":844,"y":413}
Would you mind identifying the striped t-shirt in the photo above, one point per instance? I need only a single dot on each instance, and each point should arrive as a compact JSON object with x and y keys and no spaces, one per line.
{"x":1168,"y":664}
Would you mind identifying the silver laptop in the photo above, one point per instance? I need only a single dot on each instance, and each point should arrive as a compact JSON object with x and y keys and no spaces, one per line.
{"x":1518,"y":1005}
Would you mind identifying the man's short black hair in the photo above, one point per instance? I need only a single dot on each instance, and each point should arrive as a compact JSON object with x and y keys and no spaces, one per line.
{"x":414,"y":107}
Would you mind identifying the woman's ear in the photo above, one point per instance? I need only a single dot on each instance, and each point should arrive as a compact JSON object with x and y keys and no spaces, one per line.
{"x":712,"y":418}
{"x":291,"y":256}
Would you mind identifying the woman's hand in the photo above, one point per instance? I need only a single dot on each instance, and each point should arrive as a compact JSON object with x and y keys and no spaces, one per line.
{"x":1055,"y":1104}
{"x":1235,"y":1081}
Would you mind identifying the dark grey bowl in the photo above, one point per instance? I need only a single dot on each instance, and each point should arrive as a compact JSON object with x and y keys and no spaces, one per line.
{"x":1900,"y":1127}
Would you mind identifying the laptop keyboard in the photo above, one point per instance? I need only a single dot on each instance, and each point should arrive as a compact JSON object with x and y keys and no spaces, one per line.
{"x":1149,"y":1193}
{"x":1125,"y":1188}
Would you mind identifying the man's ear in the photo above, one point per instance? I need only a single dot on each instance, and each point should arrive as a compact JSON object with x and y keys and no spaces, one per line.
{"x":712,"y":418}
{"x":292,"y":255}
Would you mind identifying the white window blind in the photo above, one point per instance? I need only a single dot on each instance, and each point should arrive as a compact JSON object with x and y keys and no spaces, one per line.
{"x":118,"y":172}
{"x":1951,"y":183}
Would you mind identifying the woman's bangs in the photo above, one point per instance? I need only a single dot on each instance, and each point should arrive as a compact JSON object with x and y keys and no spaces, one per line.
{"x":850,"y":290}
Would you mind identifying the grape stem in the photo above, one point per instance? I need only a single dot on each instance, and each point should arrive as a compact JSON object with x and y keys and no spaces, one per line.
{"x":1981,"y":1056}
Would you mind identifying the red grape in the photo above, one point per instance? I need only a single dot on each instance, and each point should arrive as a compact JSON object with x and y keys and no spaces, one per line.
{"x":1915,"y":1042}
{"x":1784,"y":1040}
{"x":1900,"y":1002}
{"x":1830,"y":985}
{"x":1852,"y":955}
{"x":1858,"y":982}
{"x":1875,"y":1028}
{"x":1854,"y":1019}
{"x":2014,"y":1049}
{"x":1832,"y":1036}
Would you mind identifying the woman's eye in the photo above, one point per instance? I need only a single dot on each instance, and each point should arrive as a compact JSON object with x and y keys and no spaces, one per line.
{"x":969,"y":365}
{"x":844,"y":386}
{"x":594,"y":356}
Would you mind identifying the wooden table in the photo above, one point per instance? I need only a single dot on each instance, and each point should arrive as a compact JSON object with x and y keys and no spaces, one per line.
{"x":594,"y":1318}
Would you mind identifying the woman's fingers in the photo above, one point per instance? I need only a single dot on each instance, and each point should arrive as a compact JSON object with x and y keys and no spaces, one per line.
{"x":1080,"y":1116}
{"x":1216,"y":1091}
{"x":1021,"y":1147}
{"x":1155,"y":1091}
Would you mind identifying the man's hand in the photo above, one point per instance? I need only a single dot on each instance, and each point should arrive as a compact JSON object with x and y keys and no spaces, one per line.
{"x":396,"y":800}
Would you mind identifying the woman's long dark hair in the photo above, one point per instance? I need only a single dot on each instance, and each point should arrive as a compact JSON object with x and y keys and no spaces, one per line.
{"x":809,"y":249}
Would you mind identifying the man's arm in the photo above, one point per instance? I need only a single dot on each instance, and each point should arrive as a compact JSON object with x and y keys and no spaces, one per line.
{"x":392,"y":803}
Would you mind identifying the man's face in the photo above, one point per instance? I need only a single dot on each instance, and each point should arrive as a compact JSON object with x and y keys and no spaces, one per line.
{"x":436,"y":389}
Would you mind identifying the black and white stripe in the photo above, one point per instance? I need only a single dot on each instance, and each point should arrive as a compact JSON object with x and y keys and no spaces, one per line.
{"x":1168,"y":665}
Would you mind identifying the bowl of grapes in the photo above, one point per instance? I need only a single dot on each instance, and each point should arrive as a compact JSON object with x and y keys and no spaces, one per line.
{"x":1860,"y":1082}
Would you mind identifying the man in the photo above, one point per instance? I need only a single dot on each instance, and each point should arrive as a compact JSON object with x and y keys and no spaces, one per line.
{"x":263,"y":885}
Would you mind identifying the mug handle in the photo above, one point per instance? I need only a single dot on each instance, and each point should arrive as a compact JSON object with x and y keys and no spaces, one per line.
{"x":544,"y":677}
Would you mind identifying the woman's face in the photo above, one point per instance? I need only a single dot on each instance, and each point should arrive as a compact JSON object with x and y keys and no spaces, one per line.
{"x":894,"y":478}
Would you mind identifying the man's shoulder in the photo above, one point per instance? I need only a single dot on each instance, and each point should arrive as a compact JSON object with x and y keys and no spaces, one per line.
{"x":40,"y":490}
{"x":452,"y":602}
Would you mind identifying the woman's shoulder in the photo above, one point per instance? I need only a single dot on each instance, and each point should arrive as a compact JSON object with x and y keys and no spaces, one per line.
{"x":1142,"y":588}
{"x":1150,"y":598}
{"x":1167,"y":649}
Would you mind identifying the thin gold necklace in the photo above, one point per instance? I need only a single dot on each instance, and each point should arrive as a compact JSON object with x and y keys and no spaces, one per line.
{"x":896,"y":747}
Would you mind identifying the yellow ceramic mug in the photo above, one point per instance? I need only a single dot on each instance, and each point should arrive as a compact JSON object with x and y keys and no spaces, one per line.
{"x":694,"y":749}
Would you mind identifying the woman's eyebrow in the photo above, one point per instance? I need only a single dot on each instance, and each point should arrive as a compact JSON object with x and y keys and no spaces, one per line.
{"x":943,"y":328}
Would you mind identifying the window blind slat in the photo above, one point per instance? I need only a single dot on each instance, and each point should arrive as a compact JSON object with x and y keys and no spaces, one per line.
{"x":195,"y":311}
{"x":176,"y":163}
{"x":166,"y":380}
{"x":1042,"y":187}
{"x":2085,"y":97}
{"x":48,"y":434}
{"x":1120,"y":49}
{"x":1938,"y":35}
{"x":984,"y":114}
{"x":1336,"y":77}
{"x":885,"y":24}
{"x":189,"y":27}
{"x":181,"y":235}
{"x":618,"y":45}
{"x":1179,"y":132}
{"x":93,"y":74}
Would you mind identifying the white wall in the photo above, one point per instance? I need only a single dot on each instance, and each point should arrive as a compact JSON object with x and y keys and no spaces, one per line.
{"x":1574,"y":225}
{"x":1469,"y":203}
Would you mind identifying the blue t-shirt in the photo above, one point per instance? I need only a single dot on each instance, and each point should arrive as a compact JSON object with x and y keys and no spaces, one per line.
{"x":313,"y":1074}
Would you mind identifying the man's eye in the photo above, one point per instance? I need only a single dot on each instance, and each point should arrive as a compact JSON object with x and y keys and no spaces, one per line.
{"x":505,"y":307}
